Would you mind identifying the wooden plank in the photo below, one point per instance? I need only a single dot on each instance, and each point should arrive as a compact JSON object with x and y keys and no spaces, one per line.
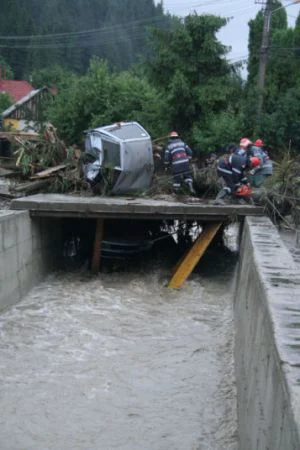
{"x":97,"y":246}
{"x":190,"y":260}
{"x":48,"y":172}
{"x":25,"y":188}
{"x":12,"y":134}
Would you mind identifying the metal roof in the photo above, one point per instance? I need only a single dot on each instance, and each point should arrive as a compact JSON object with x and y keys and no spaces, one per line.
{"x":21,"y":102}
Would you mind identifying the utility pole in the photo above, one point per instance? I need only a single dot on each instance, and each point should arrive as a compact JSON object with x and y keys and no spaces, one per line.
{"x":264,"y":50}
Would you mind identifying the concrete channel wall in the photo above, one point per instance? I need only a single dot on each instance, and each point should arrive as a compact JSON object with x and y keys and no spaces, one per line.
{"x":267,"y":353}
{"x":267,"y":313}
{"x":28,"y":251}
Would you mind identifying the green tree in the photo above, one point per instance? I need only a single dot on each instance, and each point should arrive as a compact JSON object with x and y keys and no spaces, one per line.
{"x":281,"y":127}
{"x":101,"y":97}
{"x":189,"y":66}
{"x":5,"y":101}
{"x":278,"y":121}
{"x":6,"y":71}
{"x":278,"y":22}
{"x":69,"y":33}
{"x":51,"y":77}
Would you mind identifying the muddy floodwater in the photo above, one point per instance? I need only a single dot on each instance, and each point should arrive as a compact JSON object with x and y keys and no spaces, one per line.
{"x":120,"y":362}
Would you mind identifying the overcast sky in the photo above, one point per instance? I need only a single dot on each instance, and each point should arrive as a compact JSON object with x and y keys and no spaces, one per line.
{"x":235,"y":34}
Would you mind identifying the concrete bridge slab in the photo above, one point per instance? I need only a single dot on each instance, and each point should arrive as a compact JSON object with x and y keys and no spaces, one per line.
{"x":58,"y":205}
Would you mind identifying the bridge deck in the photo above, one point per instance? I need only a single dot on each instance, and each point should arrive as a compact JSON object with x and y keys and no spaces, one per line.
{"x":58,"y":205}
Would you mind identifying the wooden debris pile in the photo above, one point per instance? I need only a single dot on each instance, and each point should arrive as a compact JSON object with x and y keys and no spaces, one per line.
{"x":44,"y":164}
{"x":282,"y":190}
{"x":207,"y":183}
{"x":33,"y":156}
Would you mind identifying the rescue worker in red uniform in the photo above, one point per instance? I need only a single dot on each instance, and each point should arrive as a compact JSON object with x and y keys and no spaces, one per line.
{"x":232,"y":170}
{"x":178,"y":155}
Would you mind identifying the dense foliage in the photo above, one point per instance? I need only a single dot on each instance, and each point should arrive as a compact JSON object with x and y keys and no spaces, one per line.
{"x":201,"y":89}
{"x":112,"y":29}
{"x":101,"y":97}
{"x":186,"y":85}
{"x":136,"y":63}
{"x":5,"y":101}
{"x":279,"y":122}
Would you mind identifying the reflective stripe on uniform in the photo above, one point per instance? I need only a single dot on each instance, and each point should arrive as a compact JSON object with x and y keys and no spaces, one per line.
{"x":224,"y":170}
{"x":176,"y":150}
{"x":180,"y":161}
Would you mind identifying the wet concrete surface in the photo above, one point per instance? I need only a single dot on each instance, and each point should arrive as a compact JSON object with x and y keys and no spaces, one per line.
{"x":120,"y":362}
{"x":292,"y":242}
{"x":267,"y":339}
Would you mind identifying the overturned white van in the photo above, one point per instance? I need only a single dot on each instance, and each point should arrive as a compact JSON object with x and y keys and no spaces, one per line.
{"x":120,"y":157}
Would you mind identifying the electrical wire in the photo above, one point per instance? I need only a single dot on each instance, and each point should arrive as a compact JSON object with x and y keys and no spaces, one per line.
{"x":205,"y":4}
{"x":103,"y":30}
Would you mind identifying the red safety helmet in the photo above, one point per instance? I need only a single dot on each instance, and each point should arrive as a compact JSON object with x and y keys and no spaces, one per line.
{"x":245,"y":142}
{"x":254,"y":162}
{"x":173,"y":134}
{"x":259,"y":143}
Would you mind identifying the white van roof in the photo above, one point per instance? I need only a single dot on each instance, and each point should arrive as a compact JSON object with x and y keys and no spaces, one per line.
{"x":123,"y":131}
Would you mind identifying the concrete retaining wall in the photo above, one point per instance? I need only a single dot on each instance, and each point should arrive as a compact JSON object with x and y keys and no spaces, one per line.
{"x":267,"y":313}
{"x":28,"y":250}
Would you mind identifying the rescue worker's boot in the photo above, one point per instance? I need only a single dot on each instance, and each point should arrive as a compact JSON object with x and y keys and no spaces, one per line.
{"x":221,"y":195}
{"x":189,"y":183}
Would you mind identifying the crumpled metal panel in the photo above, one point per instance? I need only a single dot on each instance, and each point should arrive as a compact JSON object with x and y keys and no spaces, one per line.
{"x":137,"y":167}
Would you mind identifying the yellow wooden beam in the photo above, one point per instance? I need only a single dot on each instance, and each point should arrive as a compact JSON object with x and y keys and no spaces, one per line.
{"x":97,"y":246}
{"x":187,"y":264}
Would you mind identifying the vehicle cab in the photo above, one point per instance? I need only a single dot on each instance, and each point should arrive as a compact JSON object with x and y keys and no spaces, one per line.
{"x":119,"y":156}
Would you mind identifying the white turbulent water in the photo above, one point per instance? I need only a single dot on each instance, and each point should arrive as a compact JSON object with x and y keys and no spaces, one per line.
{"x":119,"y":362}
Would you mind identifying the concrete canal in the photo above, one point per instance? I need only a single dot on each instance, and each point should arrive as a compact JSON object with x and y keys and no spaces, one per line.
{"x":119,"y":361}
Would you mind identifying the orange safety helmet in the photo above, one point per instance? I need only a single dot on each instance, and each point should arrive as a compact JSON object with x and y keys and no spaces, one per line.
{"x":259,"y":143}
{"x":173,"y":134}
{"x":254,"y":162}
{"x":244,"y":142}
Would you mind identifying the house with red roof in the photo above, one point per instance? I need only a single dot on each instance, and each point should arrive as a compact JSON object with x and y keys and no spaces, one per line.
{"x":22,"y":117}
{"x":16,"y":89}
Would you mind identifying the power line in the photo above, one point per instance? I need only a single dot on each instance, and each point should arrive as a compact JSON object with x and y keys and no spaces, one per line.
{"x":105,"y":29}
{"x":108,"y":28}
{"x":87,"y":38}
{"x":87,"y":42}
